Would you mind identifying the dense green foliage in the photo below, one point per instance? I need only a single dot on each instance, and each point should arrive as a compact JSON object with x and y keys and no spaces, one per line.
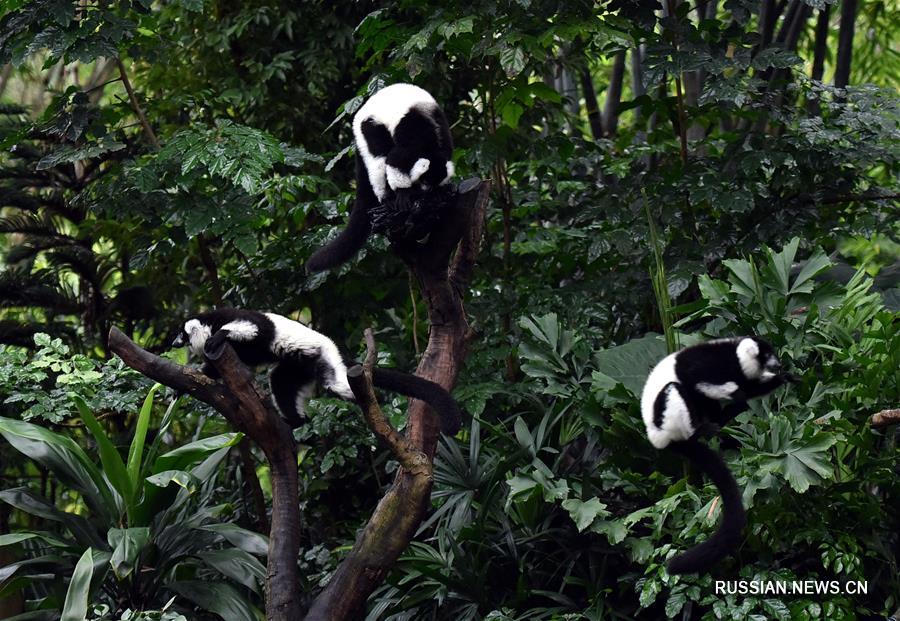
{"x":688,"y":168}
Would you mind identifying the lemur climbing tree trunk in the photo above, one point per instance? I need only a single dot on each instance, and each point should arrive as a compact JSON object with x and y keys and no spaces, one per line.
{"x":239,"y":401}
{"x":443,"y":277}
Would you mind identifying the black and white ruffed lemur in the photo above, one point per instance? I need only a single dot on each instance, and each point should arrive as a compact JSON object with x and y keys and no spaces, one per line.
{"x":302,"y":359}
{"x":403,"y":147}
{"x":690,"y":394}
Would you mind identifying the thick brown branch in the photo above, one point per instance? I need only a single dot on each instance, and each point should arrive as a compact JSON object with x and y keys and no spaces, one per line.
{"x":885,"y":418}
{"x":398,"y":515}
{"x":239,"y":401}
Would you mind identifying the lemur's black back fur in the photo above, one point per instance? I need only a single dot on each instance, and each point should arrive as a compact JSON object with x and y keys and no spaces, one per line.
{"x":306,"y":359}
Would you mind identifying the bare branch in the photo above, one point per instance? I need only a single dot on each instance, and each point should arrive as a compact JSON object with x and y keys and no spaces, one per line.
{"x":885,"y":418}
{"x":151,"y":136}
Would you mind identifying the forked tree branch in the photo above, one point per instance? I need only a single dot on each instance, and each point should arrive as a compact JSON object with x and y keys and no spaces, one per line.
{"x":241,"y":403}
{"x":399,"y":514}
{"x":360,"y":380}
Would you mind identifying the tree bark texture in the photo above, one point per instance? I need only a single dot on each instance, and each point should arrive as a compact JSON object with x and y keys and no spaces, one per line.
{"x":241,"y":403}
{"x":845,"y":43}
{"x":392,"y":526}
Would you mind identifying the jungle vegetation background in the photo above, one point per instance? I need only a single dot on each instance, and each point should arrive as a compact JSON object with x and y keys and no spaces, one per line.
{"x":694,"y":169}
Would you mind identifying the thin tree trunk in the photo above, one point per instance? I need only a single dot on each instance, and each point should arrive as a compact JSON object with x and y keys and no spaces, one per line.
{"x":820,"y":47}
{"x":845,"y":43}
{"x":5,"y":74}
{"x":590,"y":103}
{"x":821,"y":43}
{"x":767,"y":19}
{"x":614,"y":95}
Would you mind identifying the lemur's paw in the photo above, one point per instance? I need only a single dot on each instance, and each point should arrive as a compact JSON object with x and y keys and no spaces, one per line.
{"x":451,"y":170}
{"x":398,"y":179}
{"x":419,"y":168}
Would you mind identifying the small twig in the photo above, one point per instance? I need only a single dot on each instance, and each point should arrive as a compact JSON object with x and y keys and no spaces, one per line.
{"x":885,"y":418}
{"x":151,"y":136}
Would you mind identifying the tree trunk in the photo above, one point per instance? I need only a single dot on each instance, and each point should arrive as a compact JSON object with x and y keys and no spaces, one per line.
{"x":590,"y":104}
{"x":845,"y":44}
{"x":398,"y":515}
{"x":614,"y":95}
{"x":820,"y":47}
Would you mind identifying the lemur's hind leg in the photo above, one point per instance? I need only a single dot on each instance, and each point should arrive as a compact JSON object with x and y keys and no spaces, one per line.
{"x":292,"y":383}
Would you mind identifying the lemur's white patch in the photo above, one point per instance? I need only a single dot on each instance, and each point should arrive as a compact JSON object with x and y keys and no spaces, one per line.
{"x":719,"y":392}
{"x":451,"y":170}
{"x":388,"y":107}
{"x":767,"y":375}
{"x":419,"y":168}
{"x":241,"y":330}
{"x":303,"y":395}
{"x":292,"y":336}
{"x":375,"y":169}
{"x":397,"y":179}
{"x":748,"y":357}
{"x":676,"y":421}
{"x":197,"y":334}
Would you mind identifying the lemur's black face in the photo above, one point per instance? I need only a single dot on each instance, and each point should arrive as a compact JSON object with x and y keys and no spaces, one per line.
{"x":769,"y":365}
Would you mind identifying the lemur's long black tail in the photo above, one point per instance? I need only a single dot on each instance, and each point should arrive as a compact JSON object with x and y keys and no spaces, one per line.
{"x":719,"y":544}
{"x":418,"y":388}
{"x":343,"y":247}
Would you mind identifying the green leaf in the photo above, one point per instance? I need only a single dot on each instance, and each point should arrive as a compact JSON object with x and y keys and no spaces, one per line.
{"x":246,"y":540}
{"x":179,"y":477}
{"x":218,"y":597}
{"x":136,"y":450}
{"x":76,"y":605}
{"x":238,"y":565}
{"x":65,"y":458}
{"x":13,"y":538}
{"x":815,"y":265}
{"x":512,"y":59}
{"x":189,"y":454}
{"x":630,"y":364}
{"x":584,"y":513}
{"x":112,"y":462}
{"x":127,"y":544}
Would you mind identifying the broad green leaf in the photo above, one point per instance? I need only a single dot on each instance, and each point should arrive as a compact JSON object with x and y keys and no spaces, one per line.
{"x":238,"y":565}
{"x":65,"y":459}
{"x":185,"y":456}
{"x":127,"y":544}
{"x":584,"y":513}
{"x":630,"y":364}
{"x":112,"y":462}
{"x":179,"y":477}
{"x":136,"y":450}
{"x":13,"y":538}
{"x":76,"y":605}
{"x":218,"y":597}
{"x":815,"y":265}
{"x":806,"y":464}
{"x":246,"y":540}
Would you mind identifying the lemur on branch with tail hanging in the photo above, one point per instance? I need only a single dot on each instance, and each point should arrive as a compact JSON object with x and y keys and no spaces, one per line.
{"x":682,"y":402}
{"x":302,"y":359}
{"x":403,"y":151}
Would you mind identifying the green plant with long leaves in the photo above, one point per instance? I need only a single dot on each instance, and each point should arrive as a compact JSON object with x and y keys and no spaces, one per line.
{"x":137,"y":530}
